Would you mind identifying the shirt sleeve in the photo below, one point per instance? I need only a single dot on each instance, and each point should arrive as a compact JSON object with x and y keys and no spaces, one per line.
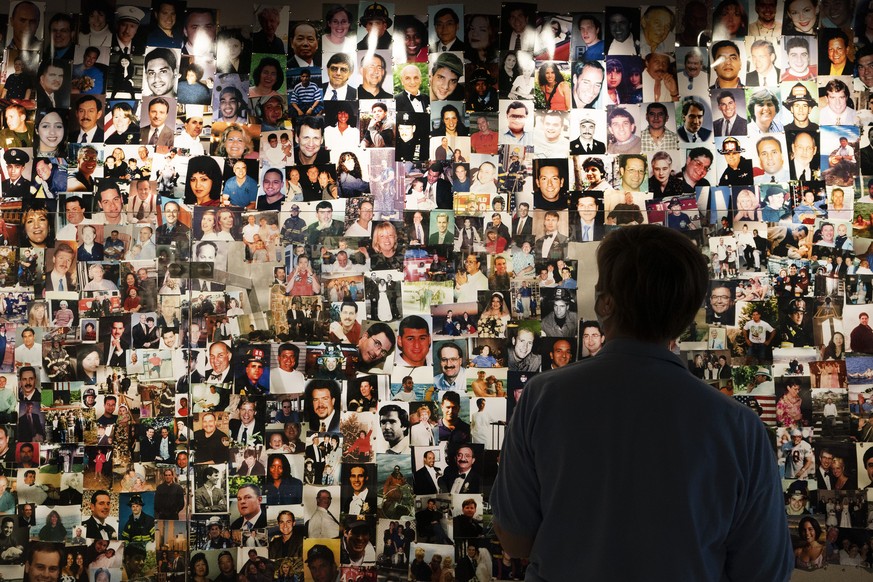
{"x":759,"y":544}
{"x":515,"y":497}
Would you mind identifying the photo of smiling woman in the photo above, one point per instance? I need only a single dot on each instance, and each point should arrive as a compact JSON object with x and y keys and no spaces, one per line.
{"x":51,"y":136}
{"x":203,"y":183}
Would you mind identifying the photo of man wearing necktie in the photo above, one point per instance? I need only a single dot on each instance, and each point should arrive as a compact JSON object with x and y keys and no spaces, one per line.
{"x":251,"y":514}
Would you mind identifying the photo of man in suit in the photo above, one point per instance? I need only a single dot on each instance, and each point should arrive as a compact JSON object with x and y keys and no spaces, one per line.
{"x":156,"y":133}
{"x":145,"y":333}
{"x":250,"y":465}
{"x":442,"y":235}
{"x":438,"y":187}
{"x":210,"y":497}
{"x":244,"y":428}
{"x":426,"y":479}
{"x":251,"y":515}
{"x":117,"y":345}
{"x":587,"y":225}
{"x":731,"y":123}
{"x":445,"y":26}
{"x":804,"y":164}
{"x":30,"y":424}
{"x":317,"y":452}
{"x":552,"y":244}
{"x":460,"y":478}
{"x":60,"y":277}
{"x":522,"y":222}
{"x":320,"y":398}
{"x":219,"y":359}
{"x":96,"y":526}
{"x":88,"y":113}
{"x":411,"y":99}
{"x":693,"y":114}
{"x":762,"y":57}
{"x":358,"y":498}
{"x":50,"y":76}
{"x":339,"y":69}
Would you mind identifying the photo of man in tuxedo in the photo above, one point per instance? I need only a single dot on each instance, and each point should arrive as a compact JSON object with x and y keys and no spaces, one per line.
{"x":552,"y":244}
{"x":426,"y":479}
{"x":461,"y":477}
{"x":358,"y":495}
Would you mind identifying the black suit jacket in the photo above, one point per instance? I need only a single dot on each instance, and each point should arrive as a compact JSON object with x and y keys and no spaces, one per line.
{"x":703,"y":133}
{"x":351,"y":93}
{"x":528,"y":225}
{"x":444,"y":197}
{"x":739,"y":128}
{"x":472,"y":483}
{"x":457,"y":46}
{"x":597,"y":147}
{"x":117,"y":360}
{"x":752,"y":78}
{"x":576,"y":230}
{"x":50,"y":286}
{"x":503,"y":231}
{"x":235,"y":424}
{"x":62,"y":98}
{"x":257,"y":469}
{"x":403,"y":103}
{"x":141,"y":337}
{"x":25,"y":433}
{"x":135,"y":48}
{"x":411,"y":232}
{"x":259,"y":524}
{"x":347,"y":499}
{"x":813,"y":165}
{"x":92,"y":529}
{"x":98,"y":135}
{"x":423,"y":484}
{"x":333,"y":427}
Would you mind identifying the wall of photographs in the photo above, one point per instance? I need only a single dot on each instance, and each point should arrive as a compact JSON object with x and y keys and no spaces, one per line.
{"x":270,"y":289}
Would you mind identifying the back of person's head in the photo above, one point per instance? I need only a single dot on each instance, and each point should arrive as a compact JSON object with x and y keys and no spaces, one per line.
{"x":651,"y":283}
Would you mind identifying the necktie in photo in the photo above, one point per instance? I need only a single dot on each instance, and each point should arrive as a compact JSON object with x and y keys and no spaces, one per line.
{"x":83,"y":138}
{"x":727,"y":127}
{"x":333,"y":97}
{"x":517,"y":42}
{"x":154,"y":139}
{"x":61,"y":285}
{"x":586,"y":233}
{"x":245,"y":435}
{"x":323,"y":427}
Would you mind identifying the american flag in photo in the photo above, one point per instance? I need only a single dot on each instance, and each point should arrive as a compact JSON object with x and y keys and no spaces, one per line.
{"x":767,"y":404}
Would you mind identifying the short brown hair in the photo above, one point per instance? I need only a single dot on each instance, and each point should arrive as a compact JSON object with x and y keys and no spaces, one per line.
{"x":652,"y":281}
